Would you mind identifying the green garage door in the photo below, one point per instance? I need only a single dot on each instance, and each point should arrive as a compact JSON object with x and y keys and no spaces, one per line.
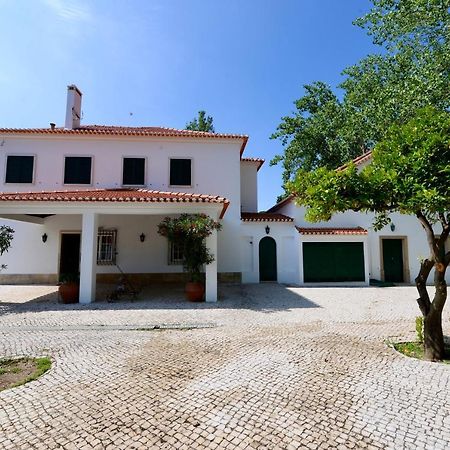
{"x":333,"y":261}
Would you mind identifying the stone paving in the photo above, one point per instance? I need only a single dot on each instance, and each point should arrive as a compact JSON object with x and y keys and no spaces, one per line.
{"x":267,"y":367}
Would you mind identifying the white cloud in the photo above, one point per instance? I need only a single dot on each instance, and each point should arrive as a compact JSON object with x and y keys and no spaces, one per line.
{"x":70,"y":11}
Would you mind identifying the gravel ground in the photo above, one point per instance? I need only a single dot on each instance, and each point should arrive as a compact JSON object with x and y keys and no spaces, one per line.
{"x":267,"y":367}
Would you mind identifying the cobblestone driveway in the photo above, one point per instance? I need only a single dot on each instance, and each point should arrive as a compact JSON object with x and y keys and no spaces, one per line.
{"x":267,"y":367}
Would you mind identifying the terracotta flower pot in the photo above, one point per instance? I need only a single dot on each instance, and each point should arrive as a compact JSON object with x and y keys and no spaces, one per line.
{"x":69,"y":292}
{"x":194,"y":291}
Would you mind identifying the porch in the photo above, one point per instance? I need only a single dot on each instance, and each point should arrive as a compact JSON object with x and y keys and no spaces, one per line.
{"x":128,"y":218}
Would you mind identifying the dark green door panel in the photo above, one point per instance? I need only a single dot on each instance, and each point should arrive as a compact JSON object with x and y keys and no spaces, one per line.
{"x":267,"y":259}
{"x":70,"y":254}
{"x":333,"y":261}
{"x":393,"y":260}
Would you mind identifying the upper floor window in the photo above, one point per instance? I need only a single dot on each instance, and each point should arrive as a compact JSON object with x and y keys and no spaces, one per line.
{"x":19,"y":169}
{"x":133,"y":172}
{"x":77,"y":169}
{"x":180,"y":172}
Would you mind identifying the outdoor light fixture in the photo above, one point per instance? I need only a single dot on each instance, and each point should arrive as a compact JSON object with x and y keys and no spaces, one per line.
{"x":142,"y":237}
{"x":392,"y":226}
{"x":267,"y":229}
{"x":44,"y":238}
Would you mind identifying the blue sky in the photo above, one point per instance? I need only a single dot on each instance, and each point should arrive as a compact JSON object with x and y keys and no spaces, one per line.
{"x":243,"y":61}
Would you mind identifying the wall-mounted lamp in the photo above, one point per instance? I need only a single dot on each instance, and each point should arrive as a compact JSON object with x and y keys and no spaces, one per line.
{"x":392,"y":226}
{"x":267,"y":229}
{"x":44,"y":238}
{"x":142,"y":237}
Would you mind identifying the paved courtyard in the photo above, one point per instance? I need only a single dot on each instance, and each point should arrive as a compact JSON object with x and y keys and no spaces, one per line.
{"x":267,"y":367}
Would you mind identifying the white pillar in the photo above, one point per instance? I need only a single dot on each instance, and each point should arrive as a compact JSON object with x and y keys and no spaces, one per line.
{"x":211,"y":269}
{"x":88,"y":257}
{"x":366,"y":262}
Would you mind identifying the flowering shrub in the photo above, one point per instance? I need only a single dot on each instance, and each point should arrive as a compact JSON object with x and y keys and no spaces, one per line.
{"x":190,"y":231}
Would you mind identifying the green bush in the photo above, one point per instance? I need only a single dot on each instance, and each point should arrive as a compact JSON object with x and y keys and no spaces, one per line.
{"x":419,"y":328}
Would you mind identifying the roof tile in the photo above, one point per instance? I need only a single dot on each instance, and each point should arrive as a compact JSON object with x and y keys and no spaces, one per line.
{"x":113,"y":195}
{"x":265,"y":217}
{"x":332,"y":231}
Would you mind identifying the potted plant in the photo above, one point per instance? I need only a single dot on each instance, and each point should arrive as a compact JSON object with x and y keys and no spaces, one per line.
{"x":69,"y":288}
{"x":189,"y":231}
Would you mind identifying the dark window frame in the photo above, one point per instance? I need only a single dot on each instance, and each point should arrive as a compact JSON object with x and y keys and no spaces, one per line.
{"x":91,"y":172}
{"x":191,"y":172}
{"x":33,"y":169}
{"x":144,"y":174}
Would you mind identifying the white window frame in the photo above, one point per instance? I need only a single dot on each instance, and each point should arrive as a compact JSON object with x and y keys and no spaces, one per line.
{"x":174,"y":255}
{"x":21,"y":154}
{"x":106,"y":257}
{"x":192,"y":172}
{"x":145,"y":170}
{"x":64,"y":170}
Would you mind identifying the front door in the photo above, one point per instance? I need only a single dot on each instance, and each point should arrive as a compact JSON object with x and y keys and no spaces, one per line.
{"x":69,"y":262}
{"x":267,"y":259}
{"x":393,"y":260}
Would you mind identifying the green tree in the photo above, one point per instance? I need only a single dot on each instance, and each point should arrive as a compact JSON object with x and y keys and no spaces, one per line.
{"x":411,"y":72}
{"x":201,"y":123}
{"x":6,"y":237}
{"x":409,"y":174}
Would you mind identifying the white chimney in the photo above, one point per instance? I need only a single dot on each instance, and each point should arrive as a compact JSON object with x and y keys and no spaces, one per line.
{"x":73,"y":108}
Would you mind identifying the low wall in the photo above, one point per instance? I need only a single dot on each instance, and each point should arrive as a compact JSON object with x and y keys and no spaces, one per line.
{"x":113,"y":278}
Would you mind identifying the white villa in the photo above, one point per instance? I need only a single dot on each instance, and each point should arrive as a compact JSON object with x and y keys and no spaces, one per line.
{"x":88,"y":198}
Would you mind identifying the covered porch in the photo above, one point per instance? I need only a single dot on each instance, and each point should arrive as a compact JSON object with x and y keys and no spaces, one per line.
{"x":117,"y":228}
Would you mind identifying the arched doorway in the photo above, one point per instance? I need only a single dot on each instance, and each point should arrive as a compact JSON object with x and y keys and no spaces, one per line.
{"x":267,"y":259}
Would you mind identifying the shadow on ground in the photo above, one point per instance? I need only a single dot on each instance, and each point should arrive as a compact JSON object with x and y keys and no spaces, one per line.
{"x":267,"y":298}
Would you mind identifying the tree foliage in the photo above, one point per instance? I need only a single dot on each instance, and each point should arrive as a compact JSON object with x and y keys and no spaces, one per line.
{"x":6,"y":237}
{"x":409,"y":174}
{"x":412,"y":71}
{"x":190,"y":231}
{"x":201,"y":123}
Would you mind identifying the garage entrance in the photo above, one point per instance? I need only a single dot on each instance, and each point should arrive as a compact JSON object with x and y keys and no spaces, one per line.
{"x":333,"y":261}
{"x":267,"y":259}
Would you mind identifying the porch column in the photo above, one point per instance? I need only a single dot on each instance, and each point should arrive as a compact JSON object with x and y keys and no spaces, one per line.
{"x":366,"y":261}
{"x":211,"y":269}
{"x":88,"y":257}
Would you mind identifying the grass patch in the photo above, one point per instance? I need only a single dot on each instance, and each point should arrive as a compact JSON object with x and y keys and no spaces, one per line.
{"x":16,"y":372}
{"x":415,"y":350}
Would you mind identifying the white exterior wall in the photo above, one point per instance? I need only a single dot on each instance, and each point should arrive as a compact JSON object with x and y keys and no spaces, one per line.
{"x":249,"y":186}
{"x":406,"y":227}
{"x":287,"y":242}
{"x":134,"y":256}
{"x":215,"y":171}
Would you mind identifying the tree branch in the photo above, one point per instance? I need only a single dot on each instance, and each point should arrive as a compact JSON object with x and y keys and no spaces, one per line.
{"x":421,"y":285}
{"x":429,"y":233}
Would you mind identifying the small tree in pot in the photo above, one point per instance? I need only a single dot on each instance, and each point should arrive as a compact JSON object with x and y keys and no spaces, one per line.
{"x":189,"y":231}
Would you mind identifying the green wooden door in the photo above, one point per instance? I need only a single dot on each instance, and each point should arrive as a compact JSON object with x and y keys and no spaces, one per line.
{"x":393,"y":260}
{"x":267,"y":259}
{"x":333,"y":261}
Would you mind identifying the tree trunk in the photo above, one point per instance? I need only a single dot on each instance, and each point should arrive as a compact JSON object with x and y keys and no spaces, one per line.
{"x":432,"y":325}
{"x":433,"y":338}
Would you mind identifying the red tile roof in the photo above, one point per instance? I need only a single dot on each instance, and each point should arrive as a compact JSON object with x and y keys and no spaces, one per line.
{"x":358,"y":160}
{"x":265,"y":217}
{"x":259,"y":161}
{"x":281,"y":203}
{"x":107,"y":130}
{"x":115,"y":196}
{"x":332,"y":231}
